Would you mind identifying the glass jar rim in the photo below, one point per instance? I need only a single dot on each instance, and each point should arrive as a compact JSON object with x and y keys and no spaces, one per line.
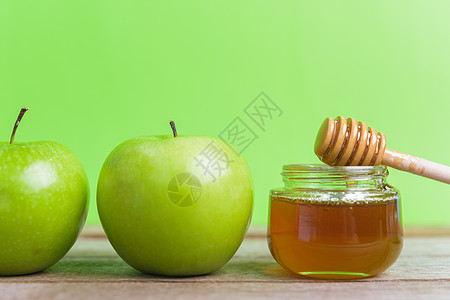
{"x":298,"y":169}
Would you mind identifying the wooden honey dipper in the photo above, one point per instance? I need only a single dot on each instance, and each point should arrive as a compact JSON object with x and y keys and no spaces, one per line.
{"x":346,"y":142}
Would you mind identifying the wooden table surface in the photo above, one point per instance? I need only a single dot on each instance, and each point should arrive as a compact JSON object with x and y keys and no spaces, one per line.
{"x":92,"y":270}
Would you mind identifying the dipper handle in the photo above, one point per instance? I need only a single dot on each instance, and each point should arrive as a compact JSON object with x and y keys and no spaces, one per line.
{"x":416,"y":165}
{"x":346,"y":142}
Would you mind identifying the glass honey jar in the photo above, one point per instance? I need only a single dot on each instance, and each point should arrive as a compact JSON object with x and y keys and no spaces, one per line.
{"x":335,"y":222}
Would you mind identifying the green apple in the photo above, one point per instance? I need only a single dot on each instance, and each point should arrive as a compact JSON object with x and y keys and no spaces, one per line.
{"x":175,"y":206}
{"x":43,"y":204}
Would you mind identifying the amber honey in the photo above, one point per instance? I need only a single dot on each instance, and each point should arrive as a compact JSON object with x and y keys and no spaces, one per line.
{"x":348,"y":232}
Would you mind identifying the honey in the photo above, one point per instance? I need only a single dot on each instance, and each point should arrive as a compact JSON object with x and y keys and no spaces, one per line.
{"x":330,"y":224}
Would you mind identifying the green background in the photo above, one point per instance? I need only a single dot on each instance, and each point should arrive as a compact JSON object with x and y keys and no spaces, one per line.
{"x":97,"y":72}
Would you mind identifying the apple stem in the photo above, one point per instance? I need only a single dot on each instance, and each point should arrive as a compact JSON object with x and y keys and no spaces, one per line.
{"x":172,"y":124}
{"x":19,"y":118}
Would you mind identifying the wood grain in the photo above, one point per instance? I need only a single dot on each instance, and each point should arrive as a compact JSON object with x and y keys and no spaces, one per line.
{"x":92,"y":270}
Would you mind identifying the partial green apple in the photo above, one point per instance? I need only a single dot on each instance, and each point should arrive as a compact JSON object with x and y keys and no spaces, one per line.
{"x":43,"y":204}
{"x":175,"y":206}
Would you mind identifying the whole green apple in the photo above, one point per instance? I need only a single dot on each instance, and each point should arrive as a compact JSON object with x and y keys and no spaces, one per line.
{"x":175,"y":206}
{"x":43,"y":204}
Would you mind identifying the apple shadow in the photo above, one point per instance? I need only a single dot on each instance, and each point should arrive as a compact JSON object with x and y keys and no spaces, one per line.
{"x":69,"y":269}
{"x":91,"y":269}
{"x":115,"y":269}
{"x":103,"y":269}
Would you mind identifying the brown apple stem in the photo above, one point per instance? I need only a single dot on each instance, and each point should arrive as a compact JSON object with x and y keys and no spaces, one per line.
{"x":19,"y":118}
{"x":172,"y":124}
